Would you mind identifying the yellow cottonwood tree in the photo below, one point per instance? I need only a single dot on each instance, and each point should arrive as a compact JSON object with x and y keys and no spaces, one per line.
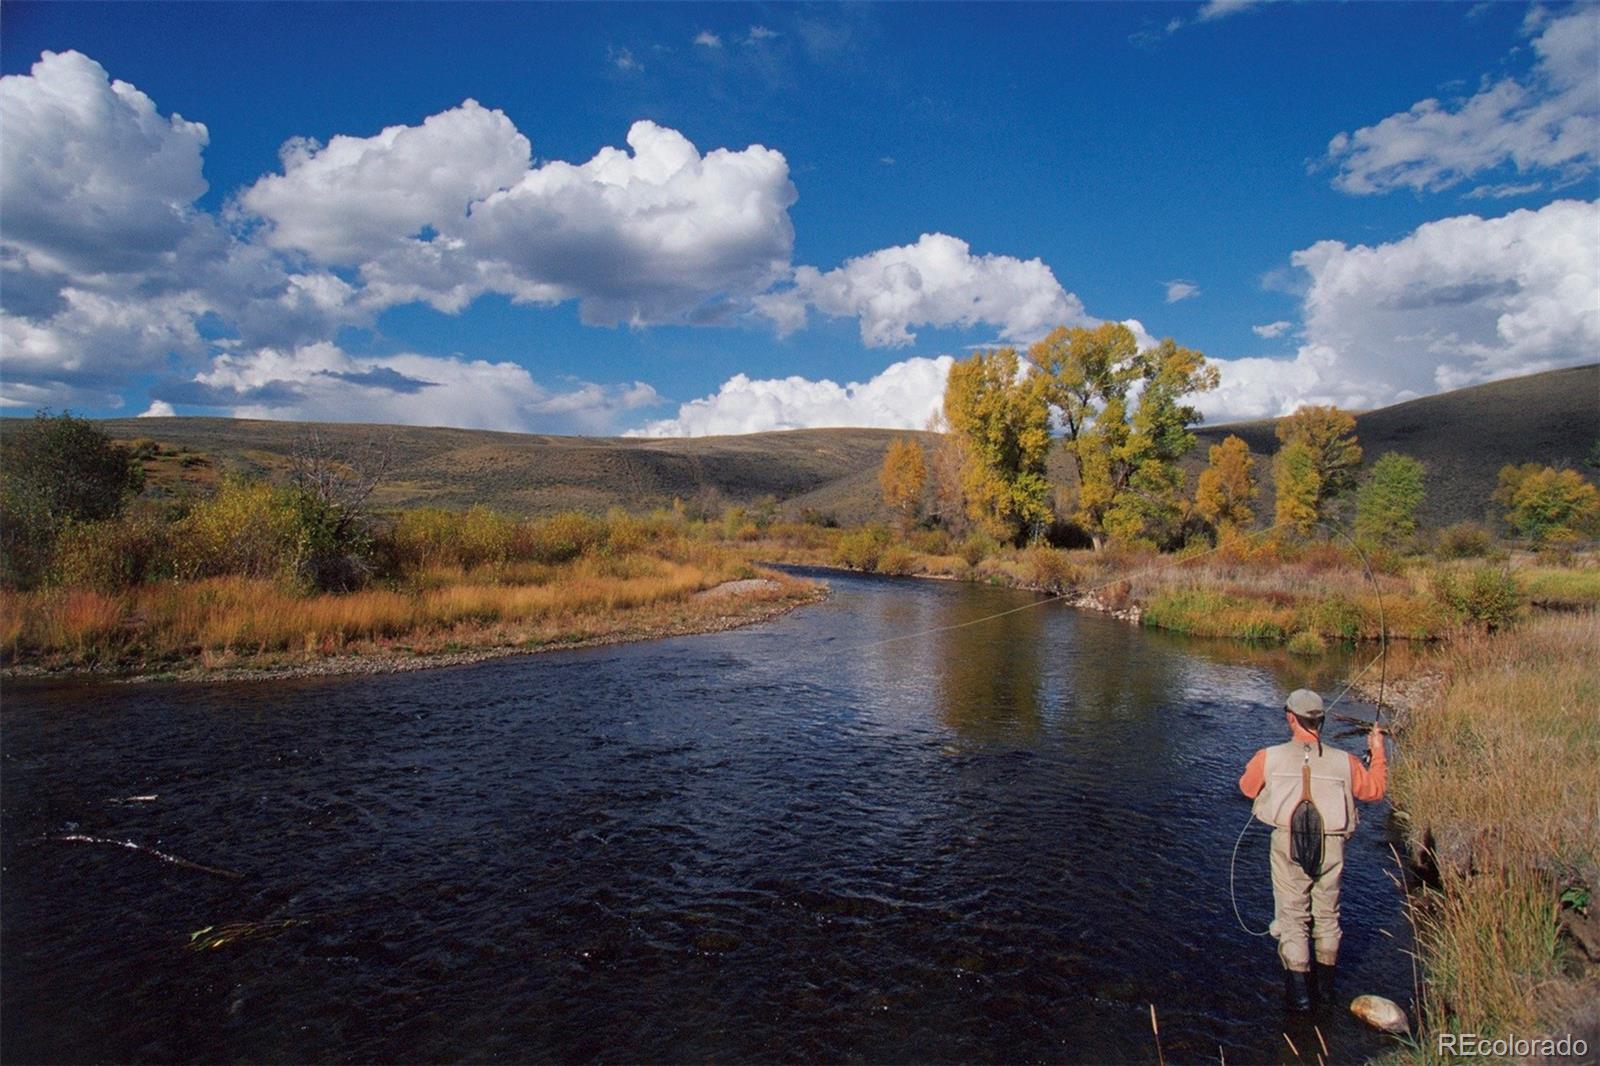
{"x":1329,"y":435}
{"x":1129,"y":484}
{"x":1227,"y":486}
{"x":902,"y":477}
{"x":1299,"y":486}
{"x":1548,"y":505}
{"x":1003,"y":419}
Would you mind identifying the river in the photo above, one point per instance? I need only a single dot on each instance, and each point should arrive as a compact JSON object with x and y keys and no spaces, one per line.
{"x":1000,"y":842}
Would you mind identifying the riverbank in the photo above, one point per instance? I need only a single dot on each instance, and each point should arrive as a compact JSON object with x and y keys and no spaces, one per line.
{"x":1495,"y":782}
{"x":1304,"y":596}
{"x":227,"y":631}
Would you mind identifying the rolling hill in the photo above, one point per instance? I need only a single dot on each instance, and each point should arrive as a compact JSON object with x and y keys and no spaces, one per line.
{"x":1462,"y":437}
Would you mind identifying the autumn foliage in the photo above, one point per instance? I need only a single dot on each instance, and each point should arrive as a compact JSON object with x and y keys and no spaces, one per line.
{"x":1227,"y":486}
{"x":902,"y":477}
{"x":1548,"y":505}
{"x":1003,"y":419}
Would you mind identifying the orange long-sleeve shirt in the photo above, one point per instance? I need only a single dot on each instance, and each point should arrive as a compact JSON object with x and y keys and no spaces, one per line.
{"x":1366,"y":783}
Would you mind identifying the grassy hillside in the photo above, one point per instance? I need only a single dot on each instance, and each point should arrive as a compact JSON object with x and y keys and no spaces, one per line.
{"x":832,"y":470}
{"x":1462,"y":437}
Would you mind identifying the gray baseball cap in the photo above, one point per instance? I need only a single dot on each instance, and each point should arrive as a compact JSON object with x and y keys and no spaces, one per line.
{"x":1303,"y":703}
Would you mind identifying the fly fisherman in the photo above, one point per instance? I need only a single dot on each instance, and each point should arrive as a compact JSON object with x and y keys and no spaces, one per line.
{"x":1307,"y":794}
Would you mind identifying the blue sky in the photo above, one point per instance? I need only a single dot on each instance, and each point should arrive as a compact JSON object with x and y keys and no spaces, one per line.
{"x":1171,"y":164}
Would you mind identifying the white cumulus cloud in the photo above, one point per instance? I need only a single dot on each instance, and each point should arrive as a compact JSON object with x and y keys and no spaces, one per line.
{"x":447,"y":211}
{"x":1457,"y":302}
{"x":934,"y":282}
{"x":902,"y":396}
{"x":658,"y":234}
{"x":707,"y":39}
{"x":106,"y":264}
{"x":95,"y":178}
{"x":1272,"y":329}
{"x":1546,"y":124}
{"x":356,"y":197}
{"x":158,"y":409}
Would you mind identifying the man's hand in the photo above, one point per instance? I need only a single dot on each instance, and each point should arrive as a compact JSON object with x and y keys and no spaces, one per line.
{"x":1375,"y":738}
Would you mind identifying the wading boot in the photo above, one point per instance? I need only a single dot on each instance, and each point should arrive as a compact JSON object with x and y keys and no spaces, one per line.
{"x":1297,"y":990}
{"x":1322,"y":980}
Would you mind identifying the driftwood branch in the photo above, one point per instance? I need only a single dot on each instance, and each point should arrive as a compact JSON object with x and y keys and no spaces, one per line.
{"x":82,"y":838}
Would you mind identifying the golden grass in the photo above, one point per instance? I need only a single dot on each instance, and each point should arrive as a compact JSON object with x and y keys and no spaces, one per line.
{"x":1499,"y":776}
{"x":254,"y":617}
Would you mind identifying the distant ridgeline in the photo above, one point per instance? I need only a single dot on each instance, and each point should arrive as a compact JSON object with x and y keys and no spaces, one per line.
{"x":1463,"y":438}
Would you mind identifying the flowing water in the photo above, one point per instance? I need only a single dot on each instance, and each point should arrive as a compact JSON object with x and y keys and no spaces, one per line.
{"x":1002,"y":842}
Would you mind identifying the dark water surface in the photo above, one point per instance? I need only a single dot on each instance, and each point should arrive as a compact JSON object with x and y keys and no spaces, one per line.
{"x":996,"y":843}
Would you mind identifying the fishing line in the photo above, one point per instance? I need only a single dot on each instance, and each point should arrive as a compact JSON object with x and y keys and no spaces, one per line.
{"x":1233,"y":895}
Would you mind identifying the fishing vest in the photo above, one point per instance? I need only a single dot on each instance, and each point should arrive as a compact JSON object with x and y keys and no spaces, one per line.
{"x":1332,"y":789}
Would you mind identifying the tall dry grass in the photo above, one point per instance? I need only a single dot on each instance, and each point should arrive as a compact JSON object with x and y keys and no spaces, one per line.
{"x":1500,"y":777}
{"x":252,"y":616}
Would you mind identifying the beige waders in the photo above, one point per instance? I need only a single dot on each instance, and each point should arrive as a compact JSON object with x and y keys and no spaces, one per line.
{"x":1306,"y":910}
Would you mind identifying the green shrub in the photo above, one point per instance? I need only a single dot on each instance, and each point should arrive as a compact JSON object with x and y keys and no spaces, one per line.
{"x":1337,"y":617}
{"x":1183,"y":610}
{"x":1386,"y":504}
{"x":248,"y":528}
{"x":1262,"y":630}
{"x":483,"y":538}
{"x":110,"y":556}
{"x":626,"y":533}
{"x":977,"y":547}
{"x":1307,"y":642}
{"x":860,"y":549}
{"x":896,"y":559}
{"x":1488,"y":595}
{"x":1051,"y":569}
{"x":1548,"y":505}
{"x":422,"y":538}
{"x":55,"y":471}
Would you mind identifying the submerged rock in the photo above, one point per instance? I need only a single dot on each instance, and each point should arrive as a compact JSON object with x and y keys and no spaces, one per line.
{"x":1380,"y":1013}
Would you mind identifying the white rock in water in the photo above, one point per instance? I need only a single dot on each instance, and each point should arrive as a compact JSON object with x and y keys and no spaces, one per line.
{"x":1381,"y":1013}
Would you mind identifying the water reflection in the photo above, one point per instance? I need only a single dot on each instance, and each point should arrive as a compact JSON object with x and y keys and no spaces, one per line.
{"x":990,"y":682}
